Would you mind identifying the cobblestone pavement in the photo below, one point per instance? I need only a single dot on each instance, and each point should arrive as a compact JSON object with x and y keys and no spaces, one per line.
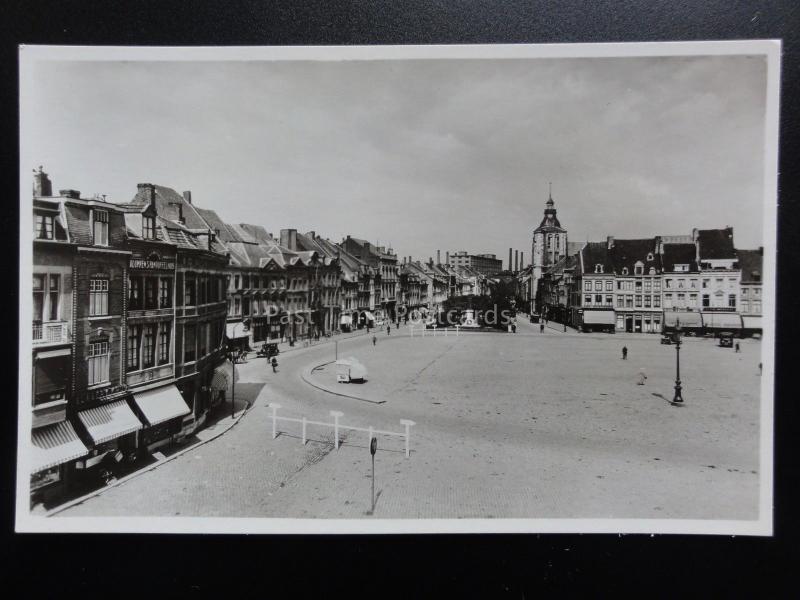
{"x":530,"y":424}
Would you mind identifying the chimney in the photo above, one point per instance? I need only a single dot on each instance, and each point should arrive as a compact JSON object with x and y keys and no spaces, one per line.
{"x":70,"y":194}
{"x":610,"y":242}
{"x":509,"y":259}
{"x":289,"y":238}
{"x":430,"y":260}
{"x":187,"y":195}
{"x":312,"y":235}
{"x":41,"y":184}
{"x":447,"y":257}
{"x":438,"y":257}
{"x":516,"y":260}
{"x":522,"y":260}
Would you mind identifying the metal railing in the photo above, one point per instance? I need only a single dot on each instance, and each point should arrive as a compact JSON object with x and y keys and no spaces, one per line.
{"x":53,"y":332}
{"x":432,"y":331}
{"x":336,"y":425}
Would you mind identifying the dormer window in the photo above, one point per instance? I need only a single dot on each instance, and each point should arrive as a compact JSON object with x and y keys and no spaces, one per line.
{"x":148,"y":228}
{"x":624,"y":270}
{"x":44,"y":227}
{"x":100,"y":227}
{"x":652,"y":270}
{"x":638,"y":268}
{"x":598,"y":268}
{"x":649,"y":256}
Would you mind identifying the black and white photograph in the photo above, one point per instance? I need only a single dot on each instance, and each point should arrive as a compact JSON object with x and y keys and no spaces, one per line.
{"x":398,"y":289}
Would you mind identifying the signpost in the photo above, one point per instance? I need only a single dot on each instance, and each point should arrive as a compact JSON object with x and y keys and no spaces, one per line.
{"x":373,"y":447}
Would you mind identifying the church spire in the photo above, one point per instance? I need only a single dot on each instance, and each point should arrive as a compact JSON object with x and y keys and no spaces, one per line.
{"x":550,"y":202}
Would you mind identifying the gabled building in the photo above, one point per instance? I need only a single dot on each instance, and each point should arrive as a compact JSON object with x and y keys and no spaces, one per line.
{"x":720,"y":279}
{"x":681,"y":285}
{"x":751,"y":290}
{"x":637,"y":270}
{"x":593,"y":290}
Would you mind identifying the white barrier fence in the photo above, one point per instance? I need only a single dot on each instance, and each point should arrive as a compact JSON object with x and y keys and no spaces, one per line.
{"x":336,"y":425}
{"x":432,"y":332}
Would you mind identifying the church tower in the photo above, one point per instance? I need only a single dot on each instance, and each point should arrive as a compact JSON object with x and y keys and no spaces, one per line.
{"x":549,"y":245}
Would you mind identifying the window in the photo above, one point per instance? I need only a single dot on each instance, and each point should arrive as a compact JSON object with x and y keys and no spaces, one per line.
{"x":245,"y":281}
{"x":706,"y":301}
{"x":149,"y":346}
{"x":693,"y":300}
{"x":638,"y":285}
{"x":189,"y":290}
{"x":203,"y":339}
{"x":150,"y":292}
{"x":189,"y":343}
{"x":648,"y":284}
{"x":756,"y":291}
{"x":745,"y":306}
{"x":647,"y":301}
{"x":598,"y":298}
{"x":620,"y":301}
{"x":757,"y":306}
{"x":236,"y":280}
{"x":245,"y":306}
{"x":165,"y":293}
{"x":624,"y":270}
{"x":667,"y":284}
{"x":98,"y":297}
{"x":53,"y":295}
{"x":657,"y":301}
{"x":731,"y":300}
{"x":681,"y":283}
{"x":681,"y":300}
{"x":656,"y":284}
{"x":97,"y":359}
{"x":132,"y":359}
{"x":652,"y":271}
{"x":201,"y":290}
{"x":100,"y":227}
{"x":237,"y":305}
{"x":705,"y":283}
{"x":598,"y":268}
{"x":610,"y":300}
{"x":638,"y":269}
{"x":587,"y":286}
{"x":38,"y":297}
{"x":598,"y":286}
{"x":629,"y":301}
{"x":649,"y":256}
{"x":638,"y":301}
{"x":667,"y":300}
{"x":163,"y":342}
{"x":43,"y":227}
{"x":135,"y":293}
{"x":148,"y":228}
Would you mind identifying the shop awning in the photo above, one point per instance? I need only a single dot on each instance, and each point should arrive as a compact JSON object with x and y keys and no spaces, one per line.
{"x":345,"y":320}
{"x":687,"y":319}
{"x":54,"y":445}
{"x":223,"y":377}
{"x":722,"y":320}
{"x":369,"y":315}
{"x":110,"y":421}
{"x":161,"y":404}
{"x":235,"y":330}
{"x":599,"y":317}
{"x":753,"y":322}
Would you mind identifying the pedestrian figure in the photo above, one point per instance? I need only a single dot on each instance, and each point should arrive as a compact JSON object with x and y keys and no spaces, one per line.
{"x":759,"y":368}
{"x":388,"y":330}
{"x":541,"y":327}
{"x":624,"y":353}
{"x":274,"y":365}
{"x":374,"y":340}
{"x":513,"y":328}
{"x":737,"y":347}
{"x":641,"y":377}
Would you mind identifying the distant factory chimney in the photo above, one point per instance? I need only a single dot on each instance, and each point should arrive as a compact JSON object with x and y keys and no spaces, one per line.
{"x":516,"y":260}
{"x":447,"y":257}
{"x":438,"y":257}
{"x":41,"y":184}
{"x":509,"y":259}
{"x":187,"y":195}
{"x":522,"y":260}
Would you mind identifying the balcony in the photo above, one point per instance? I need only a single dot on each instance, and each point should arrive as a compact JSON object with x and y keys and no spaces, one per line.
{"x":54,"y":332}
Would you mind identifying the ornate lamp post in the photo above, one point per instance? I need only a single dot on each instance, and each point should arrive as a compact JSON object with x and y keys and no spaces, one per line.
{"x":677,"y":399}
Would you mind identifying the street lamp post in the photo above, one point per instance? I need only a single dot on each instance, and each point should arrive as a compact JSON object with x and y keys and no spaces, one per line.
{"x":232,"y":358}
{"x":678,"y":398}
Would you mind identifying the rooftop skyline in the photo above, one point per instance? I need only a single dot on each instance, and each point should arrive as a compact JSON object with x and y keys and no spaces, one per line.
{"x":420,"y":155}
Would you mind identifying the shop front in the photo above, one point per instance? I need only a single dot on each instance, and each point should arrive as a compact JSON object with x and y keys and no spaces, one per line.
{"x":717,"y":322}
{"x":111,"y":429}
{"x":346,"y":322}
{"x":595,"y":320}
{"x":162,"y":410}
{"x":237,"y":336}
{"x":691,"y":323}
{"x":54,"y":447}
{"x":751,"y":325}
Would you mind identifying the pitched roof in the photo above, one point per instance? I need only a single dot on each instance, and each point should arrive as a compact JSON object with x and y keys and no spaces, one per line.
{"x":751,"y":264}
{"x":167,"y":201}
{"x":679,"y":254}
{"x":595,"y":253}
{"x":255,"y":233}
{"x":226,"y":232}
{"x":716,"y":243}
{"x":626,"y":253}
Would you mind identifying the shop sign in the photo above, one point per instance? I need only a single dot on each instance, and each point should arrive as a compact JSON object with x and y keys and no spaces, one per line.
{"x":155,"y":265}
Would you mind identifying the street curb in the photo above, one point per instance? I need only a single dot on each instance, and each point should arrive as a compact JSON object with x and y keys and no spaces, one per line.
{"x":146,"y":469}
{"x":306,"y":376}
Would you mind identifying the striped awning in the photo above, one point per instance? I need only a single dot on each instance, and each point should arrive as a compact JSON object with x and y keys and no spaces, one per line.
{"x":722,"y":320}
{"x":161,"y":404}
{"x":54,"y":445}
{"x":109,"y":421}
{"x":223,"y":377}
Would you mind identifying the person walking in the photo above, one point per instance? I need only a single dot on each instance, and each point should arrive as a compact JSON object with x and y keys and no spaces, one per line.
{"x":640,"y":377}
{"x":624,"y":353}
{"x":274,"y":364}
{"x":374,"y":340}
{"x":541,"y":327}
{"x":737,"y":348}
{"x":388,"y":330}
{"x":759,"y":369}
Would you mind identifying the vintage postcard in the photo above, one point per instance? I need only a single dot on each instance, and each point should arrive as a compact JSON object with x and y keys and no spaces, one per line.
{"x":396,"y":289}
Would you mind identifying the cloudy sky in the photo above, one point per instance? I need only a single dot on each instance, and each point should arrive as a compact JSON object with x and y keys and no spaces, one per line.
{"x":422,"y":154}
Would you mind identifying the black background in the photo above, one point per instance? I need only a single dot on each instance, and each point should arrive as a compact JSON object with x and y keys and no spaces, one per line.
{"x":513,"y":566}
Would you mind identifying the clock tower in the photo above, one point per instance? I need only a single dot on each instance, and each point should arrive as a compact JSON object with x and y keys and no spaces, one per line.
{"x":548,"y":247}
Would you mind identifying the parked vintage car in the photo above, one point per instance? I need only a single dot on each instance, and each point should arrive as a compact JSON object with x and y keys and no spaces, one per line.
{"x":666,"y":338}
{"x":726,"y":339}
{"x":269,"y":349}
{"x":350,"y":369}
